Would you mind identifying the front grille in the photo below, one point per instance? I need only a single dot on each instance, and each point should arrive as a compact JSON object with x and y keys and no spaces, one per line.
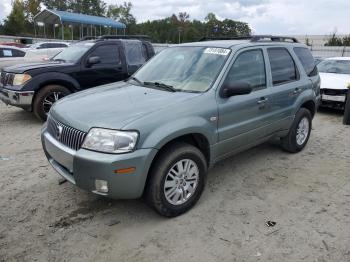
{"x":334,"y":92}
{"x":69,"y":136}
{"x":6,"y":79}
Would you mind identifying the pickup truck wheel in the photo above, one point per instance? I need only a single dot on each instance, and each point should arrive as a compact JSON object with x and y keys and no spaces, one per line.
{"x":46,"y":97}
{"x":299,"y":133}
{"x":177,"y":179}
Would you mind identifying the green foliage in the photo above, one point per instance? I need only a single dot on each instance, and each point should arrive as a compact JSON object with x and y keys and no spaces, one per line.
{"x":15,"y":23}
{"x":172,"y":29}
{"x":334,"y":40}
{"x":88,"y":7}
{"x":169,"y":29}
{"x":307,"y":41}
{"x":62,"y":5}
{"x":32,"y":7}
{"x":122,"y":13}
{"x":346,"y":40}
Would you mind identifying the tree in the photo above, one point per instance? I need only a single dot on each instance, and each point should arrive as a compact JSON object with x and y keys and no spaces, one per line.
{"x":88,"y":7}
{"x":346,"y":40}
{"x":122,"y":13}
{"x":32,"y":7}
{"x":183,"y":17}
{"x":15,"y":23}
{"x":307,"y":41}
{"x":61,"y":5}
{"x":334,"y":40}
{"x":228,"y":27}
{"x":167,"y":30}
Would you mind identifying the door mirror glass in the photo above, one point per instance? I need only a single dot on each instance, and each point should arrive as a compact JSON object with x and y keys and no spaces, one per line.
{"x":235,"y":88}
{"x":93,"y":60}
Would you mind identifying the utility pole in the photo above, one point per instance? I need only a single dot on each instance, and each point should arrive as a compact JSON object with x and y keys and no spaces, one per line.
{"x":179,"y":30}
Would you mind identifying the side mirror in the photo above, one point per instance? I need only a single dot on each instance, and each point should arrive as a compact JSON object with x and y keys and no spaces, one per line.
{"x":93,"y":60}
{"x":235,"y":88}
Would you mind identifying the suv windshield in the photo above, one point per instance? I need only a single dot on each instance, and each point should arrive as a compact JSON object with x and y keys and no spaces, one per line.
{"x":334,"y":66}
{"x":191,"y":69}
{"x":73,"y":52}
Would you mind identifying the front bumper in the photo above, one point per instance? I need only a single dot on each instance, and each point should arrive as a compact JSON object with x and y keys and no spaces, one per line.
{"x":333,"y":98}
{"x":83,"y":167}
{"x":21,"y":99}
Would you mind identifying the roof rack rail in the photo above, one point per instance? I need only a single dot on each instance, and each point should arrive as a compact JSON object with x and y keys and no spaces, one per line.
{"x":254,"y":38}
{"x":85,"y":38}
{"x":139,"y":37}
{"x":206,"y":38}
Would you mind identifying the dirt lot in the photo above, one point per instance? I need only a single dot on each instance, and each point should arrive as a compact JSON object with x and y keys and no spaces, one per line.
{"x":307,"y":194}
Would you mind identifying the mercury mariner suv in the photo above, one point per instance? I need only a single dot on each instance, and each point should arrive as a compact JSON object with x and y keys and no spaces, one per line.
{"x":156,"y":134}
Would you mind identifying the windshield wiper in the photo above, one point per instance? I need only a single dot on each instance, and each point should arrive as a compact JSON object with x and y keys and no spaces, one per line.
{"x":59,"y":60}
{"x":161,"y":85}
{"x":136,"y":80}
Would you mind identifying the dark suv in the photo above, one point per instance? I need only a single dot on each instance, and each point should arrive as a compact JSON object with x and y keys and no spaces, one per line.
{"x":36,"y":86}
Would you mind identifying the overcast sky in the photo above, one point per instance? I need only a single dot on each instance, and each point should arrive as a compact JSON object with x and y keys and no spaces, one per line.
{"x":263,"y":16}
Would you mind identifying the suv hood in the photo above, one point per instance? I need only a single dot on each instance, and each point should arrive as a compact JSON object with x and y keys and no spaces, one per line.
{"x":113,"y":106}
{"x":334,"y":81}
{"x":21,"y":68}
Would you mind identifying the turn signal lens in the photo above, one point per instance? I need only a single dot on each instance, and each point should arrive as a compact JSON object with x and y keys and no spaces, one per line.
{"x":20,"y":79}
{"x":128,"y":170}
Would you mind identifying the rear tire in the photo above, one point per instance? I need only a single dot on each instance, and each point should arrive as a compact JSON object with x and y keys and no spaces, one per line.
{"x":299,"y":132}
{"x":177,"y":179}
{"x":46,"y":97}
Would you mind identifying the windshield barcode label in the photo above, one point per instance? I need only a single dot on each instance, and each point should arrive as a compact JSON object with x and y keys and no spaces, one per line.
{"x":217,"y":51}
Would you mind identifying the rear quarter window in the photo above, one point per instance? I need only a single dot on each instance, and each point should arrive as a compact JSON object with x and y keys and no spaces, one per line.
{"x":306,"y":60}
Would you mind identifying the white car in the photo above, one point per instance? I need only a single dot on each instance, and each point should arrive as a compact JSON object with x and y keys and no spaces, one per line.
{"x":335,"y":81}
{"x":32,"y":55}
{"x":47,"y":45}
{"x":7,"y":51}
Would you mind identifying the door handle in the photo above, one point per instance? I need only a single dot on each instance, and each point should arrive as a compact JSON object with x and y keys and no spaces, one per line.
{"x":297,"y":91}
{"x":262,"y":100}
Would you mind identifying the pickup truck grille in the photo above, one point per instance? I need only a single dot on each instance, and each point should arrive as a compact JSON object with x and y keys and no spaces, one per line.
{"x":6,"y":79}
{"x":69,"y":136}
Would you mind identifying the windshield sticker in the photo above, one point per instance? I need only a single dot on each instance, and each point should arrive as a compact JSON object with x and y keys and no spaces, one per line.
{"x":217,"y":51}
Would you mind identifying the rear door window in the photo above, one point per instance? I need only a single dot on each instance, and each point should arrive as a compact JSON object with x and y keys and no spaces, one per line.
{"x":306,"y":60}
{"x":283,"y":68}
{"x":7,"y":52}
{"x":134,"y":52}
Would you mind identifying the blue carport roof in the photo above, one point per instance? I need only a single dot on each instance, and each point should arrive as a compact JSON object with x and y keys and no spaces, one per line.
{"x":54,"y":16}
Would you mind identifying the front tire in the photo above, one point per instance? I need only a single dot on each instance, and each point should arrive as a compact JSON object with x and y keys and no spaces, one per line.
{"x":46,"y":97}
{"x":299,"y":132}
{"x":177,"y":179}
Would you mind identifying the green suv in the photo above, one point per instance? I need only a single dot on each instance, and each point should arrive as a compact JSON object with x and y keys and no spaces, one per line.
{"x":156,"y":134}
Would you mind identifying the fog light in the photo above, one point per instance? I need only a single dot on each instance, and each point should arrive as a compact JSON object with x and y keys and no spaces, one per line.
{"x":101,"y":186}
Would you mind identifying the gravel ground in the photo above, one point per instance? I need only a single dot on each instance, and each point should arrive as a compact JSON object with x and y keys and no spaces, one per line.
{"x":307,"y":194}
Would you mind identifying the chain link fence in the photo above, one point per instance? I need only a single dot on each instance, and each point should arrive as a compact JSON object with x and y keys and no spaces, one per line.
{"x":329,"y":51}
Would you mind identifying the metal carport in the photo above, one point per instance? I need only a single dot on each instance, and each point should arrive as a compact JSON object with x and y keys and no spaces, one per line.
{"x":55,"y":17}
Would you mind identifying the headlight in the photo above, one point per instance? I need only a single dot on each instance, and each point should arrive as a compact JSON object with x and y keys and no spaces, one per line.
{"x":110,"y":141}
{"x":20,"y":79}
